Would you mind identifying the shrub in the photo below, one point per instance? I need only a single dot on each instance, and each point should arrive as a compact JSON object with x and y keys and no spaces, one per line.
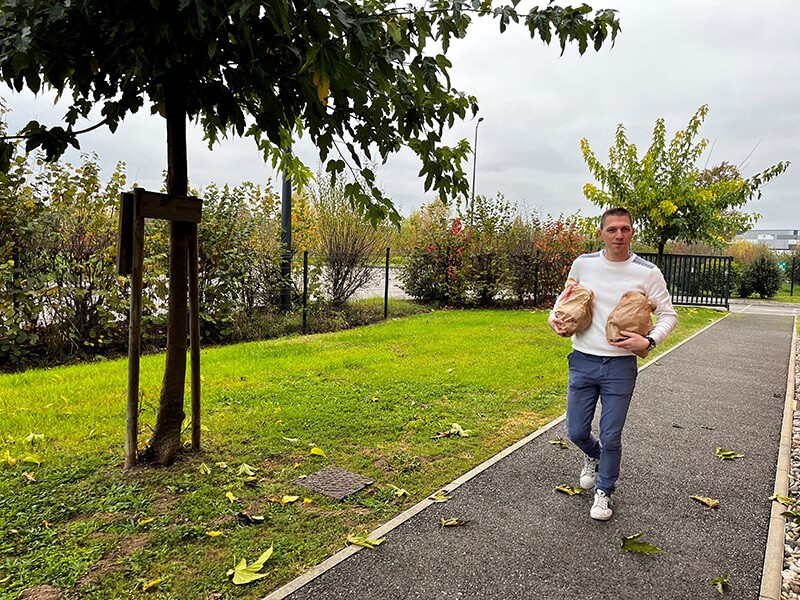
{"x":557,"y":244}
{"x":762,"y":276}
{"x":434,"y":266}
{"x":486,"y":253}
{"x":521,"y":261}
{"x":503,"y":255}
{"x":85,"y":301}
{"x":348,"y":246}
{"x":20,"y":283}
{"x":239,"y":250}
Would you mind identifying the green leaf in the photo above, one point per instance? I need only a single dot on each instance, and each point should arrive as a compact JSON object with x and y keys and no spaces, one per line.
{"x":569,"y":490}
{"x":365,"y":541}
{"x":633,"y":543}
{"x":204,"y":469}
{"x":455,"y":430}
{"x":560,"y":442}
{"x":244,"y":573}
{"x":34,"y":437}
{"x":246,"y":469}
{"x":439,"y":497}
{"x":33,"y":459}
{"x":785,"y":500}
{"x":399,"y":492}
{"x":792,"y":515}
{"x":724,"y":454}
{"x":284,"y":500}
{"x":721,"y":583}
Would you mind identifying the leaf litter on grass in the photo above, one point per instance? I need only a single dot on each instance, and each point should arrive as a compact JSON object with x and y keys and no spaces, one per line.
{"x":244,"y":573}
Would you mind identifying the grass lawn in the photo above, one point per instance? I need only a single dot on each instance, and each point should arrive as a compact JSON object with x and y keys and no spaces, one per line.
{"x":783,"y":295}
{"x":370,"y":398}
{"x":786,"y":289}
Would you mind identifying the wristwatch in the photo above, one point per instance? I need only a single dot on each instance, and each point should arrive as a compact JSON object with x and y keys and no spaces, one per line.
{"x":652,"y":342}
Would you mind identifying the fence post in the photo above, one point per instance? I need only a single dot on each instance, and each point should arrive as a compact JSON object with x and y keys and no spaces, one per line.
{"x":305,"y":290}
{"x":447,"y":275}
{"x":791,"y":285}
{"x":536,"y":278}
{"x":386,"y":288}
{"x":15,"y":293}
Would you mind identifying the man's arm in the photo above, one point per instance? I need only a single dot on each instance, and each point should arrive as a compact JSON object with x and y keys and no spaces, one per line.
{"x":666,"y":316}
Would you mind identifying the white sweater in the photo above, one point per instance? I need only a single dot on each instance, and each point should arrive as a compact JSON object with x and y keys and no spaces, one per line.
{"x":609,"y":280}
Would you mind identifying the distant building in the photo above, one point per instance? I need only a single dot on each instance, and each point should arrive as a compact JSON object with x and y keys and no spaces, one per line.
{"x":779,"y":240}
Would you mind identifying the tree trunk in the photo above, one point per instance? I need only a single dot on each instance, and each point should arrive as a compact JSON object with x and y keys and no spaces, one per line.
{"x":660,"y":257}
{"x":166,"y":440}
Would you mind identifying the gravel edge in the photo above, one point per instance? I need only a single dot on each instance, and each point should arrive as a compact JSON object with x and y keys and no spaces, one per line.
{"x":790,"y":580}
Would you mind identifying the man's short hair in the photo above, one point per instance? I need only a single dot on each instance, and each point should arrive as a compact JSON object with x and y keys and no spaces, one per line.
{"x":615,"y":212}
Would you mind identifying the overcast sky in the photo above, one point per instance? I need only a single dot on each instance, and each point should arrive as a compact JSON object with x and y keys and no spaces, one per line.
{"x":741,"y":57}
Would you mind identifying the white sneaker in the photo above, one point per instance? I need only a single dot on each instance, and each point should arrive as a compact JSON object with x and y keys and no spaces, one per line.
{"x":589,"y":472}
{"x":601,"y":509}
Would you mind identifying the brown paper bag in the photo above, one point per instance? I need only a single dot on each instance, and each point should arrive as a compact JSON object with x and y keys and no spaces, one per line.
{"x":574,"y":307}
{"x":631,"y":314}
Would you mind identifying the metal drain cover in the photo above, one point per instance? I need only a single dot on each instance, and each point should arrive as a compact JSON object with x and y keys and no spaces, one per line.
{"x":335,"y":482}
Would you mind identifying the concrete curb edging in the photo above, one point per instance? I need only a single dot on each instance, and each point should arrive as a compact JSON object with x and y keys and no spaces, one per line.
{"x":771,"y":577}
{"x":342,"y":555}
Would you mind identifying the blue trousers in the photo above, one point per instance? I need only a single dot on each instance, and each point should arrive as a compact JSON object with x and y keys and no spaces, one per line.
{"x":612,"y":380}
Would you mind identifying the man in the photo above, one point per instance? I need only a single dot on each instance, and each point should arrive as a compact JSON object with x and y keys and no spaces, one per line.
{"x":607,"y":370}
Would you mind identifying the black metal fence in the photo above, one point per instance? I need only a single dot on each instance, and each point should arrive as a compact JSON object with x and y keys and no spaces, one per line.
{"x":696,"y":280}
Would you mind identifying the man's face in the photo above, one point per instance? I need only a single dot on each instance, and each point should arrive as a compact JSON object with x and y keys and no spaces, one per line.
{"x":616,"y":234}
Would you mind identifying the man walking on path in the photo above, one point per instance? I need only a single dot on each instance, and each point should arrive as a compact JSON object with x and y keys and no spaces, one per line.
{"x":607,"y":370}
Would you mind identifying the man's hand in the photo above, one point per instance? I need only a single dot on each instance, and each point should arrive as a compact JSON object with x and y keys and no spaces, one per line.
{"x":633,"y":342}
{"x":557,"y":325}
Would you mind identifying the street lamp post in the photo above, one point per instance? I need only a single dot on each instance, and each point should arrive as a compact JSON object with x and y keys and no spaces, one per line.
{"x":474,"y":166}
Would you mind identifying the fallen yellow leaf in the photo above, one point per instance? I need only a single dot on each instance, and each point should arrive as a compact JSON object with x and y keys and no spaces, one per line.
{"x":284,"y":500}
{"x":439,"y":497}
{"x":151,"y":585}
{"x":709,"y":502}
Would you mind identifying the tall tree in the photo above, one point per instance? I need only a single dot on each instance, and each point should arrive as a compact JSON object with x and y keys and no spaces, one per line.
{"x":667,"y":194}
{"x":359,"y":77}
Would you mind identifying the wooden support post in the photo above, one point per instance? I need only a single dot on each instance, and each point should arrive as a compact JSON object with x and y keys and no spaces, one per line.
{"x":134,"y":332}
{"x":194,"y":332}
{"x":134,"y":208}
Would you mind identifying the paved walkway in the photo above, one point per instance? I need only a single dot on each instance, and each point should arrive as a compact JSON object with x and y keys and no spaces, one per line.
{"x":764,"y":307}
{"x":725,"y":387}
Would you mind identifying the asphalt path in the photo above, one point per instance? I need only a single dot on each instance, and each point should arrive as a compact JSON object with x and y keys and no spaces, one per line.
{"x":723,"y":388}
{"x":764,"y":307}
